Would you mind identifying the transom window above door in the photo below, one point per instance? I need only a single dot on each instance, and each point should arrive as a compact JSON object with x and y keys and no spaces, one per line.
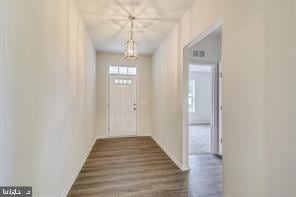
{"x":122,"y":70}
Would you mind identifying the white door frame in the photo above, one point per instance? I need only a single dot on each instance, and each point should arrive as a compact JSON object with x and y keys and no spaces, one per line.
{"x":220,"y":103}
{"x":137,"y":101}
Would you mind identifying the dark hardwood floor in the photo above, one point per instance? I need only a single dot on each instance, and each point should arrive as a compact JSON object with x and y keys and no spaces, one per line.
{"x":137,"y":167}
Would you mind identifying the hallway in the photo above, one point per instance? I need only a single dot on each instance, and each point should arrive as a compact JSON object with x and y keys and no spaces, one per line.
{"x":96,"y":98}
{"x":139,"y":167}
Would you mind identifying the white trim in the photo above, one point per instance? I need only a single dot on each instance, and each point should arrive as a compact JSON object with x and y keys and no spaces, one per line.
{"x":138,"y":135}
{"x":215,"y":109}
{"x":108,"y":102}
{"x":138,"y":104}
{"x":185,"y":168}
{"x":120,"y":136}
{"x":171,"y":156}
{"x":77,"y":171}
{"x":102,"y":137}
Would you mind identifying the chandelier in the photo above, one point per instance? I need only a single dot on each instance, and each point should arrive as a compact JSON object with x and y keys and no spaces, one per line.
{"x":130,"y":49}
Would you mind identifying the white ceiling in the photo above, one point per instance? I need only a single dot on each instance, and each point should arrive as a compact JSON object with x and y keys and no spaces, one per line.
{"x":109,"y":28}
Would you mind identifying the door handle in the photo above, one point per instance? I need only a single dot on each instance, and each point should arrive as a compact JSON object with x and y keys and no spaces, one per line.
{"x":135,"y":107}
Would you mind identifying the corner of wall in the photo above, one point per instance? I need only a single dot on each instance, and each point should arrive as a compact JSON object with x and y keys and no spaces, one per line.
{"x":170,"y":155}
{"x":146,"y":134}
{"x":78,"y":169}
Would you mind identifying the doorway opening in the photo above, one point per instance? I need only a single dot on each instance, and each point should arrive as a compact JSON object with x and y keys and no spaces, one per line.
{"x":202,"y":108}
{"x":122,"y":101}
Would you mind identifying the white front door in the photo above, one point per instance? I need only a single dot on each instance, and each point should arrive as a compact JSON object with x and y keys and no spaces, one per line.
{"x":122,"y":105}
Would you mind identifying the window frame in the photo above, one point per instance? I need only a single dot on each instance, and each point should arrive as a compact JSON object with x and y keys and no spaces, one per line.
{"x":129,"y":70}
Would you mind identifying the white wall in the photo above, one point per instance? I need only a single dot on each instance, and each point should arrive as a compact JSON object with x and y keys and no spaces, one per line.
{"x":203,"y":98}
{"x":47,"y":95}
{"x":166,"y":97}
{"x":212,"y":45}
{"x":258,"y":92}
{"x":104,"y":60}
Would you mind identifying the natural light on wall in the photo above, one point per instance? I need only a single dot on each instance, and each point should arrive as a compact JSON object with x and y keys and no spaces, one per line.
{"x":191,"y":96}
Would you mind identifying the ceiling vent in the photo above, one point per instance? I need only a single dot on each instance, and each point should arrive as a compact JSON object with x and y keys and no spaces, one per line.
{"x":198,"y":53}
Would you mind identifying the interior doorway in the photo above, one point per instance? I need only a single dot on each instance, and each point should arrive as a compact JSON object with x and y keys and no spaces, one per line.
{"x":201,"y":109}
{"x":122,"y":104}
{"x":202,"y":99}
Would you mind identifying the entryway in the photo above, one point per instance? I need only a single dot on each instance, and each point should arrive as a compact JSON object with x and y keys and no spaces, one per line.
{"x":122,"y":105}
{"x":203,"y":106}
{"x":205,"y":94}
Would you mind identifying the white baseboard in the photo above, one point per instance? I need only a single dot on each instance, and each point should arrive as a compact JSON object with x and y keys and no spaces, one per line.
{"x":139,"y":134}
{"x":144,"y":134}
{"x":183,"y":168}
{"x":76,"y":173}
{"x":102,"y":137}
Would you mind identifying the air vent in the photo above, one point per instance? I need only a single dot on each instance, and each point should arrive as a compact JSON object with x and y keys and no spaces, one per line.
{"x":198,"y":53}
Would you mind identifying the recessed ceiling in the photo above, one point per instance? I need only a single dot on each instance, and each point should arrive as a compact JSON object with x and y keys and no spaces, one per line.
{"x":109,"y":28}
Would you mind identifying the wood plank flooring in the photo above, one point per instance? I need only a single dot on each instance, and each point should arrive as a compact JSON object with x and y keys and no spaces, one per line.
{"x":137,"y":167}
